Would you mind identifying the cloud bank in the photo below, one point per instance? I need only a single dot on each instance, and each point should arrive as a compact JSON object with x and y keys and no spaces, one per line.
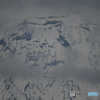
{"x":14,"y":10}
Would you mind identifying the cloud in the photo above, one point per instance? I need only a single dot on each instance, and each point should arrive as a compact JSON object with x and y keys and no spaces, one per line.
{"x":70,"y":69}
{"x":82,"y":73}
{"x":14,"y":68}
{"x":20,"y":9}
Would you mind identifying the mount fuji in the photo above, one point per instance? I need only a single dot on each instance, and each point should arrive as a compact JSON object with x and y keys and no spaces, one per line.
{"x":45,"y":58}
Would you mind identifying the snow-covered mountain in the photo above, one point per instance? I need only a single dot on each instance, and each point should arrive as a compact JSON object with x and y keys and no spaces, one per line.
{"x":46,"y":58}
